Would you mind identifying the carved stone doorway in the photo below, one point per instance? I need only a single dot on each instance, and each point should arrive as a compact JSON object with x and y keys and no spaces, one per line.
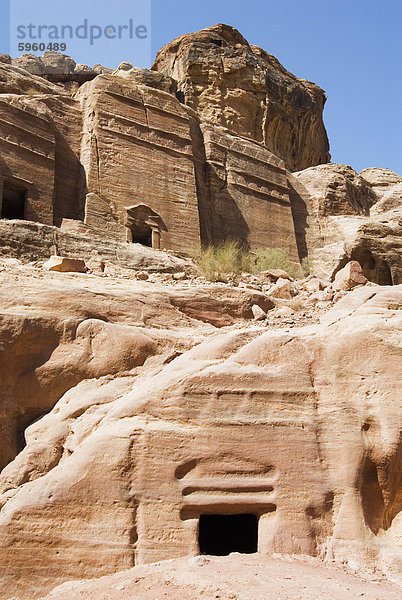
{"x":144,"y":226}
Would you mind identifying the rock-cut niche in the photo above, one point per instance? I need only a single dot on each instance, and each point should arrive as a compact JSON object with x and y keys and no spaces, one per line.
{"x":144,"y":226}
{"x":13,"y":201}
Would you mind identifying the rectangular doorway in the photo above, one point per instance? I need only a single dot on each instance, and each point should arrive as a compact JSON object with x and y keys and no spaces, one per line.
{"x":220,"y":535}
{"x":13,"y":201}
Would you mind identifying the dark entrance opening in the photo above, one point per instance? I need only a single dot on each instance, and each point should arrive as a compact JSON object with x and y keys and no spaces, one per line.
{"x":222,"y":534}
{"x":181,"y":97}
{"x":142,"y":234}
{"x":384,"y":274}
{"x":13,"y":204}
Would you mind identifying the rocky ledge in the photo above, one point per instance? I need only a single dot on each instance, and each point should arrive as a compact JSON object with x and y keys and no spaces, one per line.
{"x":129,"y":394}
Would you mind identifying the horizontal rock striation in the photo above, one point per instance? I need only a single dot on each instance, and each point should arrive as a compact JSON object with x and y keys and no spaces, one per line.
{"x":247,"y":193}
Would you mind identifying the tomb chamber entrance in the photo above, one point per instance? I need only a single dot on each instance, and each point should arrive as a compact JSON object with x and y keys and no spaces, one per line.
{"x":13,"y":201}
{"x":144,"y":226}
{"x":220,"y":534}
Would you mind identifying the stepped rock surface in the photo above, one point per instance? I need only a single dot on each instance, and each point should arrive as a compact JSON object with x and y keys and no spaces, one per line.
{"x":243,"y":88}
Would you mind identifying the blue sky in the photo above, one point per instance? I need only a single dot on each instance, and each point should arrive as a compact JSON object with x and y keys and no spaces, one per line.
{"x":351,"y":48}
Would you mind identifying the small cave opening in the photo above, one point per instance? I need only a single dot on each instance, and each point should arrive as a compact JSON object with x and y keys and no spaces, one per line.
{"x":374,"y":267}
{"x":13,"y":202}
{"x":219,"y":535}
{"x":372,"y":497}
{"x":180,"y":96}
{"x":141,"y":235}
{"x":384,"y":276}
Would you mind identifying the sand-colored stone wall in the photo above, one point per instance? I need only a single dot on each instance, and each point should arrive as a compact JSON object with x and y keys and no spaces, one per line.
{"x":137,"y":150}
{"x":27,"y":156}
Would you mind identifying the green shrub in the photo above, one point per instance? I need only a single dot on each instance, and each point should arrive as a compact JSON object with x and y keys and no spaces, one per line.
{"x":229,"y":259}
{"x":274,"y":258}
{"x":219,"y":262}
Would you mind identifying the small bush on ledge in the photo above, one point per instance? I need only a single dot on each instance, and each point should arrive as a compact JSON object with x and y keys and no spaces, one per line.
{"x":274,"y":258}
{"x":229,"y":259}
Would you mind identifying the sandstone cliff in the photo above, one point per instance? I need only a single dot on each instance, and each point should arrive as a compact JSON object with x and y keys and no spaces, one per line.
{"x":246,"y":90}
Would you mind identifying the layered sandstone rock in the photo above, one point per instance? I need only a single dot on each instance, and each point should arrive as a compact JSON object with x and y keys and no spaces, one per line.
{"x":336,"y":190}
{"x":133,"y":402}
{"x":299,"y":427}
{"x":381,"y":179}
{"x":75,"y":331}
{"x":246,"y":90}
{"x":137,"y":150}
{"x":339,"y":217}
{"x":30,"y":241}
{"x":17,"y":80}
{"x":27,"y":147}
{"x":246,"y":195}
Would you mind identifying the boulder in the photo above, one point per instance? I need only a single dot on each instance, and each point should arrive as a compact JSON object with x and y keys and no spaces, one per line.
{"x":282,"y":289}
{"x":63,"y":264}
{"x":15,"y":79}
{"x":284,"y":311}
{"x":349,"y":277}
{"x":58,"y":67}
{"x":313,"y":285}
{"x":146,"y":77}
{"x":83,"y":73}
{"x":272,"y":275}
{"x":123,"y":66}
{"x":99,"y":69}
{"x":258,"y":313}
{"x":31,"y":63}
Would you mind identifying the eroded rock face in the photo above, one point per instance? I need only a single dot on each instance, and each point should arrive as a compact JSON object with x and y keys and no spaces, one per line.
{"x":83,"y":328}
{"x":380,"y":179}
{"x":17,"y":80}
{"x":131,"y":406}
{"x":337,"y":190}
{"x":299,"y":426}
{"x":245,"y":89}
{"x":339,"y":217}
